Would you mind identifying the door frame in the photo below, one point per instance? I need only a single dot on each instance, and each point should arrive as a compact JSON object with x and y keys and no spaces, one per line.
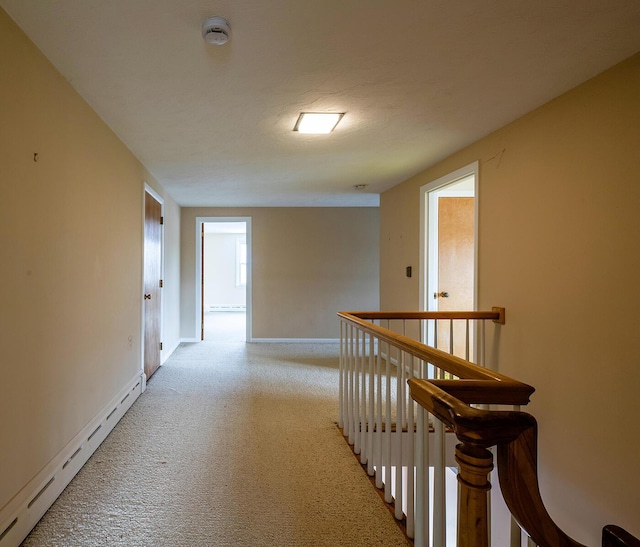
{"x":149,"y":190}
{"x":198,"y":241}
{"x":428,"y":224}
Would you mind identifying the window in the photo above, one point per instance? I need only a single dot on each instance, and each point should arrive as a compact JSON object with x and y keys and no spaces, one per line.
{"x":241,"y":263}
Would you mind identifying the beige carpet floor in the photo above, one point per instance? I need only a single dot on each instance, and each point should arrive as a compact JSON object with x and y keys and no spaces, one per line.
{"x":231,"y":444}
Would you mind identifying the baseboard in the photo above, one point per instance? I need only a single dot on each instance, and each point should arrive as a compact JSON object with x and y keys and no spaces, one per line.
{"x":26,"y":508}
{"x":189,"y":340}
{"x":295,"y":340}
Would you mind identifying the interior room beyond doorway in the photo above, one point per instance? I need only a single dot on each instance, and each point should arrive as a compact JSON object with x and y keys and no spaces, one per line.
{"x":224,"y":286}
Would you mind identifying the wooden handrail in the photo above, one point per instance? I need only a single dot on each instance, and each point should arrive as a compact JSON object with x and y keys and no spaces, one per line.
{"x":497,"y":315}
{"x":475,"y":392}
{"x":511,"y":392}
{"x":614,"y":536}
{"x":518,"y":474}
{"x":481,"y":427}
{"x":515,"y":434}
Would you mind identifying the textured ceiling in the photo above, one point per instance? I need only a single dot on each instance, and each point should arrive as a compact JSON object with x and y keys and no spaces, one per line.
{"x":418,"y":80}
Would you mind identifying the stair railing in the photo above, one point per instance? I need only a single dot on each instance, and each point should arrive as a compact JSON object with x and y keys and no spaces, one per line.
{"x":384,"y":425}
{"x":614,"y":536}
{"x":407,"y":447}
{"x":515,"y":435}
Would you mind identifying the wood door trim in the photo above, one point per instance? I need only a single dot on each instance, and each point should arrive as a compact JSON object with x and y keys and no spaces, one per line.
{"x":153,"y":236}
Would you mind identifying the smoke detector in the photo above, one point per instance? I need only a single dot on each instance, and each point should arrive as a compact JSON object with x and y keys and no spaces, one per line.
{"x":216,"y":30}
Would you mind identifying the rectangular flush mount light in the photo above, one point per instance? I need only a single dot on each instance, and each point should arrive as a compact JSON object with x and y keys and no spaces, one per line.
{"x":318,"y":122}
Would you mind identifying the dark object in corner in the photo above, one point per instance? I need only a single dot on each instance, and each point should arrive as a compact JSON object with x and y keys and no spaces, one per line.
{"x":614,"y":536}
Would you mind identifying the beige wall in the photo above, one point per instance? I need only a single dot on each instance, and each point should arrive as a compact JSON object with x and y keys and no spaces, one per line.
{"x":559,"y":247}
{"x":307,"y":264}
{"x":70,"y":262}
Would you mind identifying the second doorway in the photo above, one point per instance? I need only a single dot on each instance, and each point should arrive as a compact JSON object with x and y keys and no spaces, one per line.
{"x":224,"y":281}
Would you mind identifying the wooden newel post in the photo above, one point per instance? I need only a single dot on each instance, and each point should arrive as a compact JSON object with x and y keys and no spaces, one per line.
{"x":475,"y":465}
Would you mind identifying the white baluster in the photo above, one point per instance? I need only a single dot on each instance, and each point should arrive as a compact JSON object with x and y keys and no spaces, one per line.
{"x":378,"y":444}
{"x":399,"y":422}
{"x":347,"y":382}
{"x":426,"y":478}
{"x":481,"y":353}
{"x":363,"y":403}
{"x":341,"y":419}
{"x":351,"y":382}
{"x":405,"y":387}
{"x":451,"y":348}
{"x":423,"y":497}
{"x":410,"y":458}
{"x":438,"y":476}
{"x":387,"y":437}
{"x":467,"y":345}
{"x":370,"y":413}
{"x":439,"y":495}
{"x":422,"y":505}
{"x":357,"y":422}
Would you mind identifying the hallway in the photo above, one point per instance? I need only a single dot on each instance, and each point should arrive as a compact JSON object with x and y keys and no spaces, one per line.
{"x":231,"y":444}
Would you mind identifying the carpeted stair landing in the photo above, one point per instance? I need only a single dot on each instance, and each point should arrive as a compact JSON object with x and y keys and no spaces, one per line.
{"x":231,"y":444}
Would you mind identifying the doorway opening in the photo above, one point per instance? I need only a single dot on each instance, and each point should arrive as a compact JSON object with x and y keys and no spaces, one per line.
{"x":223,"y":300}
{"x":448,"y":247}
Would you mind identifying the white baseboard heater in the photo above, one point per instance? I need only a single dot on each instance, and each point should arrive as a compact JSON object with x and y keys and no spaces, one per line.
{"x":23,"y":512}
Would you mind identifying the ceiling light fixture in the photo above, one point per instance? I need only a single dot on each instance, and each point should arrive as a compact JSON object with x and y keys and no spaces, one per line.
{"x":216,"y":30}
{"x":317,"y":122}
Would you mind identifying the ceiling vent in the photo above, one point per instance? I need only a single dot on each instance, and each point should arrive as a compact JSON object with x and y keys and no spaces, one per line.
{"x":216,"y":30}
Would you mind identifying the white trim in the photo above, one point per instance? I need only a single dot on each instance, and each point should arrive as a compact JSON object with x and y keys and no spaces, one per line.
{"x":165,"y":354}
{"x":159,"y":199}
{"x":295,"y":341}
{"x":198,"y":297}
{"x":468,"y":170}
{"x":429,"y":223}
{"x":26,"y":508}
{"x":189,"y":340}
{"x":239,"y":263}
{"x":155,"y":194}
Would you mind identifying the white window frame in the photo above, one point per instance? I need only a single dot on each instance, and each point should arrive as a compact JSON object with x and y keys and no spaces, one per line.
{"x":240,"y":244}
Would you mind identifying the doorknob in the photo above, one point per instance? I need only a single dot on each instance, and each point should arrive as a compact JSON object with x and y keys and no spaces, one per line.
{"x":442,"y":294}
{"x":147,"y":297}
